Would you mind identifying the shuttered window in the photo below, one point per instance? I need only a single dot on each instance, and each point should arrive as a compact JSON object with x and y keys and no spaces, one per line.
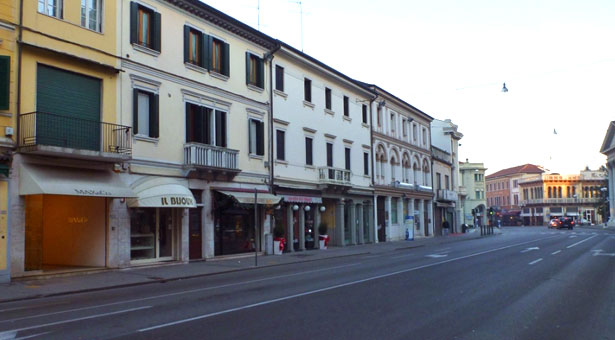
{"x":307,"y":90}
{"x":364,"y":114}
{"x":327,"y":98}
{"x":255,"y":70}
{"x":205,"y":125}
{"x":347,"y":156}
{"x":144,"y":26}
{"x":280,"y":147}
{"x":366,"y":163}
{"x":346,"y":107}
{"x":219,"y":56}
{"x":308,"y":151}
{"x":256,"y":132}
{"x":145,"y":114}
{"x":279,"y":78}
{"x":194,"y":47}
{"x":5,"y":81}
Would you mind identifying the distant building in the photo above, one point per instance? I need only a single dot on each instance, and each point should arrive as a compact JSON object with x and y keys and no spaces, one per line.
{"x":608,"y":149}
{"x":472,"y":190}
{"x":547,"y":196}
{"x":502,"y":186}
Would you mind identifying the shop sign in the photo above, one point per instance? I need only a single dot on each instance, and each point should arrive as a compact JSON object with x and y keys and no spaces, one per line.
{"x":92,"y":192}
{"x":176,"y":201}
{"x":302,"y":199}
{"x":78,"y":220}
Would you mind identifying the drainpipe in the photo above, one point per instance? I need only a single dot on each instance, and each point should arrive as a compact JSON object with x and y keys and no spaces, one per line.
{"x":19,"y":70}
{"x":269,"y":57}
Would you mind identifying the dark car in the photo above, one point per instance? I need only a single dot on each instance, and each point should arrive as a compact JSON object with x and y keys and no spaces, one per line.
{"x":566,"y":222}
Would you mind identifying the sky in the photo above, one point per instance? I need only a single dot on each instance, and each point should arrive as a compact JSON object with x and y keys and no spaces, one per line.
{"x":449,"y":58}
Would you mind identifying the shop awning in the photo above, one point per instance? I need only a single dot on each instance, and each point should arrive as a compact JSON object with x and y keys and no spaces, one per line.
{"x":302,"y":199}
{"x":162,"y":192}
{"x":248,"y":197}
{"x":41,"y":179}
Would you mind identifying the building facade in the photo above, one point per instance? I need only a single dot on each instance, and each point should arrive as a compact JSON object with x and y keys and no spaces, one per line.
{"x":322,"y":154}
{"x":445,"y":150}
{"x":472,"y":187}
{"x":503,"y":191}
{"x":547,"y":196}
{"x":401,"y":144}
{"x":608,"y":149}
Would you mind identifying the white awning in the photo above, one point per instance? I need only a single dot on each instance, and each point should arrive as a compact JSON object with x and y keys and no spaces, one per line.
{"x":162,"y":192}
{"x":248,"y":197}
{"x":41,"y":179}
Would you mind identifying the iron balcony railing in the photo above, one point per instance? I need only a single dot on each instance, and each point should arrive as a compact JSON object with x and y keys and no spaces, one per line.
{"x":210,"y":156}
{"x":561,"y":201}
{"x":49,"y":129}
{"x":330,"y":175}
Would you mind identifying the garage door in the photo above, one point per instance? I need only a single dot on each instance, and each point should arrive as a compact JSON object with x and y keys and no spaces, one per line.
{"x":68,"y":109}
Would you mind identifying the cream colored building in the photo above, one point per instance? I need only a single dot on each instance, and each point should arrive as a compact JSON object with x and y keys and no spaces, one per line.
{"x":472,"y":187}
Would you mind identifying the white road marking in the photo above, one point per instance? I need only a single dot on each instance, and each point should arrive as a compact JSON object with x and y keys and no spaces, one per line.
{"x":2,"y":334}
{"x":32,"y":336}
{"x":179,"y":293}
{"x":556,"y":252}
{"x":267,"y":302}
{"x":535,"y":261}
{"x":436,"y":256}
{"x":530,"y":249}
{"x":599,"y":252}
{"x":587,"y":239}
{"x":572,"y":236}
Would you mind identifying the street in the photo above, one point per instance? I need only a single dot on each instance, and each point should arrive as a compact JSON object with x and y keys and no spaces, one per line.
{"x":527,"y":283}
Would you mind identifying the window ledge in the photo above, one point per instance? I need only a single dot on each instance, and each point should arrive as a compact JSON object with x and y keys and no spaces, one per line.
{"x":310,"y":167}
{"x":255,"y":156}
{"x":280,"y":93}
{"x":145,"y":50}
{"x":329,"y":112}
{"x":346,"y":118}
{"x":279,"y":161}
{"x":218,"y":75}
{"x":144,"y":138}
{"x":367,"y":176}
{"x":365,"y":125}
{"x":194,"y":67}
{"x":255,"y":88}
{"x":309,"y":104}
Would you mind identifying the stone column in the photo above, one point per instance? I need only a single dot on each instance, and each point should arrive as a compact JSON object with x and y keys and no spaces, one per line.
{"x":422,"y":217}
{"x":208,"y":225}
{"x":361,"y":220}
{"x":339,"y":223}
{"x":184,"y":234}
{"x":611,"y":188}
{"x":430,"y":216}
{"x":353,"y":224}
{"x":387,"y":221}
{"x":411,"y":213}
{"x":371,"y":227}
{"x":290,"y":228}
{"x":374,"y":232}
{"x":301,"y":227}
{"x":317,"y":219}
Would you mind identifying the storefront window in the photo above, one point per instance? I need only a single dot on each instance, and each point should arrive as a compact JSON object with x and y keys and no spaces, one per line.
{"x":142,"y":234}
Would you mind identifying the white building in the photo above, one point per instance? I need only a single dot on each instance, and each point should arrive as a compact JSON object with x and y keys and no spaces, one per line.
{"x":322,"y":152}
{"x":608,"y":149}
{"x":472,"y":187}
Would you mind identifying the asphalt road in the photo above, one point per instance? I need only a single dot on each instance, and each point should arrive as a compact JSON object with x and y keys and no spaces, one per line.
{"x":528,"y":283}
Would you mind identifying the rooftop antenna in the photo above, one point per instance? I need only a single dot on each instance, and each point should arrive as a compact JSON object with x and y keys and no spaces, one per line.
{"x":301,"y":11}
{"x":258,"y":9}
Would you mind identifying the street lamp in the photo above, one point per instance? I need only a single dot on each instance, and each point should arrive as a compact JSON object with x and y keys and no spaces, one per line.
{"x":504,"y":89}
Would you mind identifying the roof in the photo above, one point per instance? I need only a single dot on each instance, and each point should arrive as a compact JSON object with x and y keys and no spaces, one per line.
{"x":375,"y":88}
{"x":607,"y":144}
{"x":521,"y":169}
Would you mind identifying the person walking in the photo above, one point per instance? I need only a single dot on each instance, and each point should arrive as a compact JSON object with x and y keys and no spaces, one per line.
{"x":445,"y":227}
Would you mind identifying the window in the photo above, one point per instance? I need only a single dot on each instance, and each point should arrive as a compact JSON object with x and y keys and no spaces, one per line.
{"x":364,"y":114}
{"x":516,"y":199}
{"x":145,"y":114}
{"x":392,"y":123}
{"x":307,"y":90}
{"x":347,"y":156}
{"x":327,"y":98}
{"x":414,"y":137}
{"x":194,"y":44}
{"x":255,"y":70}
{"x":205,"y":125}
{"x":219,"y":58}
{"x":477,"y":194}
{"x":5,"y":72}
{"x":346,"y":107}
{"x":394,"y":210}
{"x":424,"y":136}
{"x":144,"y":26}
{"x":51,"y":7}
{"x":308,"y":151}
{"x":379,"y":116}
{"x":438,"y":181}
{"x":366,"y":163}
{"x":256,"y":132}
{"x":515,"y":183}
{"x":446,"y":182}
{"x":403,"y":127}
{"x":279,"y":78}
{"x":280,"y":149}
{"x":91,"y":14}
{"x":329,"y":154}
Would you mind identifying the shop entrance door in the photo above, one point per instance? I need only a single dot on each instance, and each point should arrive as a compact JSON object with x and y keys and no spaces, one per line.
{"x":381,"y":220}
{"x":196,"y":244}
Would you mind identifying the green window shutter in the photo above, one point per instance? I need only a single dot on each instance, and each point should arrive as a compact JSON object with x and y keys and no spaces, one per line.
{"x":135,"y":111}
{"x":261,"y":73}
{"x":226,"y":58}
{"x":202,"y":52}
{"x":153,"y":117}
{"x":260,"y":140}
{"x":247,"y":68}
{"x":221,"y":128}
{"x":134,"y":22}
{"x":186,"y":43}
{"x":5,"y":80}
{"x":250,"y":135}
{"x":207,"y":42}
{"x":156,"y":32}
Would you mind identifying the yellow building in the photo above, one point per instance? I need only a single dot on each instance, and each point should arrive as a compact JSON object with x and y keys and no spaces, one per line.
{"x":62,"y":183}
{"x":8,"y":107}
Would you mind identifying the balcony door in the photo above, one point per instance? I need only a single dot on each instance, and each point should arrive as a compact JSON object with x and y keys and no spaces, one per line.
{"x":68,"y":109}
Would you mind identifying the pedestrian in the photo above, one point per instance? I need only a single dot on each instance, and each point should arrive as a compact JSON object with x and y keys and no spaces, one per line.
{"x":445,"y":227}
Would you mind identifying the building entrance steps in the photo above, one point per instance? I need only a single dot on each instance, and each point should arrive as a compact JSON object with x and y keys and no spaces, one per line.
{"x":46,"y":286}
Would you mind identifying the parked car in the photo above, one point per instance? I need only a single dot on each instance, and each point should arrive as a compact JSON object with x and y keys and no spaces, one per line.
{"x":554,"y":223}
{"x":566,"y":222}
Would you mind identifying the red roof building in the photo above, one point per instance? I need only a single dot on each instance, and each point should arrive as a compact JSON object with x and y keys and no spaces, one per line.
{"x":502,"y":187}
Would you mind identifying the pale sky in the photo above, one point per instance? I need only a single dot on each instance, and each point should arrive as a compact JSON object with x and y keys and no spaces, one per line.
{"x":449,"y":58}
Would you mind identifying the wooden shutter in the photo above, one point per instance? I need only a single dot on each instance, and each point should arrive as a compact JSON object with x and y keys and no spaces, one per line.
{"x":186,"y":43}
{"x":221,"y":128}
{"x":261,"y":73}
{"x":153,"y":117}
{"x":5,"y":80}
{"x":202,"y":54}
{"x":134,"y":23}
{"x":247,"y":68}
{"x":156,"y":31}
{"x":135,"y":111}
{"x":225,"y":59}
{"x":207,"y":50}
{"x":260,"y":138}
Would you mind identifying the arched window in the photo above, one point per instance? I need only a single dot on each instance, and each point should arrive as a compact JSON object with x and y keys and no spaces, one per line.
{"x":416,"y":170}
{"x":559,"y":192}
{"x":426,"y":173}
{"x":406,"y":169}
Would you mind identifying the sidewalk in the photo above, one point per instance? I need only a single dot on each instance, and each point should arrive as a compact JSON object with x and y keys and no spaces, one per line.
{"x":36,"y":287}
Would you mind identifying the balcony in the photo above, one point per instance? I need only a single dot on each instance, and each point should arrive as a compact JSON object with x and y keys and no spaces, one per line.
{"x":334,"y":177}
{"x":463,"y":191}
{"x":561,"y":201}
{"x":447,"y":195}
{"x":205,"y":159}
{"x":62,"y":136}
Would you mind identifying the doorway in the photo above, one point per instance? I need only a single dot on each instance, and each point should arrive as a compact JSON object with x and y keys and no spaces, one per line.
{"x":196,"y":238}
{"x":381,"y":220}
